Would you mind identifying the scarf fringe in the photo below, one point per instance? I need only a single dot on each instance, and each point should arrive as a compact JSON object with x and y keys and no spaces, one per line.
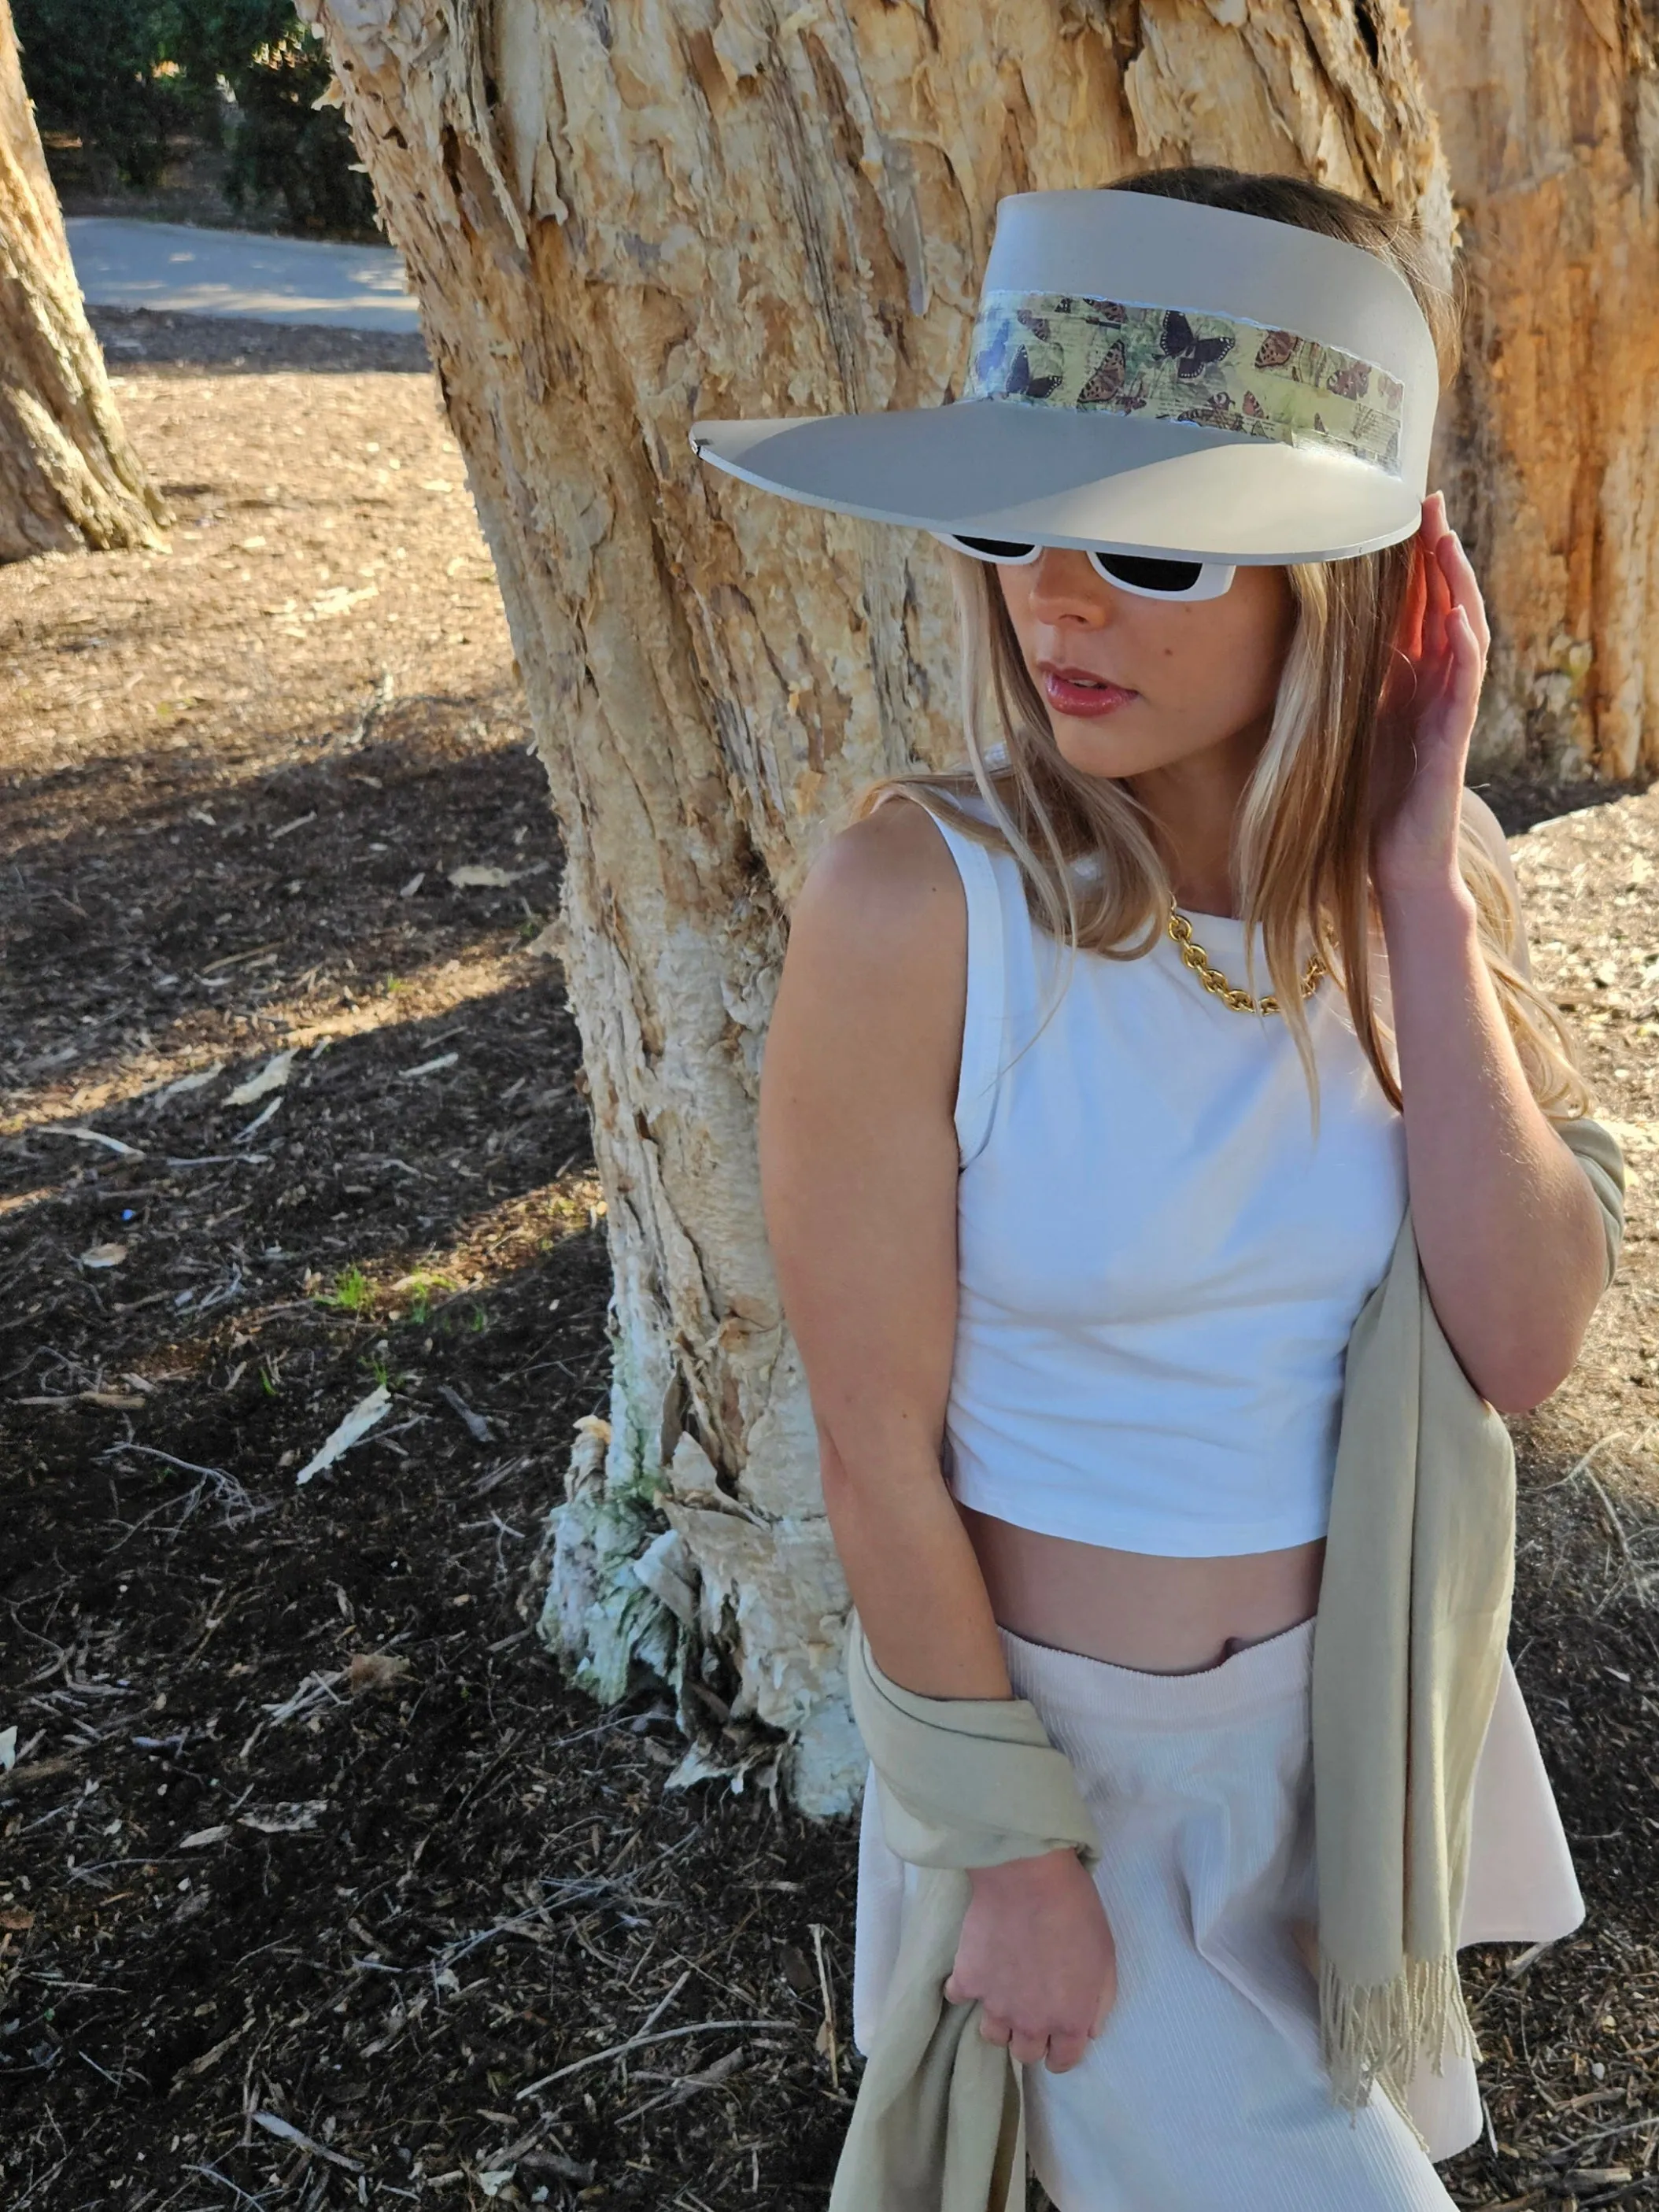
{"x":1381,"y":2034}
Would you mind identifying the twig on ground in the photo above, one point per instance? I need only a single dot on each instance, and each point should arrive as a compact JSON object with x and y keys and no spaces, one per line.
{"x":286,"y":2132}
{"x":633,"y":2042}
{"x":827,"y":2031}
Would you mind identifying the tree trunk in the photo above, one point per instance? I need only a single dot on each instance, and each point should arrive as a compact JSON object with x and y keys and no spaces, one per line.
{"x":68,"y":477}
{"x":617,"y":216}
{"x":1550,"y":115}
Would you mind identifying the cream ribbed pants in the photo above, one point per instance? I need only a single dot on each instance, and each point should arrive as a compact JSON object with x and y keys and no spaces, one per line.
{"x":1205,"y":2092}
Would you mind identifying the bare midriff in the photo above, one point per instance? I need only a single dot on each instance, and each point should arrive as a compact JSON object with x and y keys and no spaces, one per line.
{"x":1139,"y":1609}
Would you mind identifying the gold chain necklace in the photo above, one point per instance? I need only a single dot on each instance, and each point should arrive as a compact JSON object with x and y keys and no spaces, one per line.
{"x":1214,"y":981}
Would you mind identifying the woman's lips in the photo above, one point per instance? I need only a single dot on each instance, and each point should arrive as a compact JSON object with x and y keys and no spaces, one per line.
{"x":1068,"y":695}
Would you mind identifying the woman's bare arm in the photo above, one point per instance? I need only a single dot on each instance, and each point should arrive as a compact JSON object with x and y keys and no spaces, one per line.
{"x":1507,"y":1228}
{"x":857,"y":1155}
{"x":858,"y":1179}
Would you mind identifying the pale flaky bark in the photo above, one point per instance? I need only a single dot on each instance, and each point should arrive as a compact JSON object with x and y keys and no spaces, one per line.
{"x":618,"y":216}
{"x":67,"y":476}
{"x":1550,"y":115}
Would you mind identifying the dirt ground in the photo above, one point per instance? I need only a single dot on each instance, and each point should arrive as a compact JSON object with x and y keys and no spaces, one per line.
{"x":318,"y":1887}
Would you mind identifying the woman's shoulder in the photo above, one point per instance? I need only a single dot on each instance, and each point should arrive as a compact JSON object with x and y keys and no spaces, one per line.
{"x":891,"y":871}
{"x":883,"y":915}
{"x":872,"y":1001}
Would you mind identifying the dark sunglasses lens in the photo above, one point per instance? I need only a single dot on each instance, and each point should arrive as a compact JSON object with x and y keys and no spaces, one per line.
{"x":995,"y":549}
{"x":1150,"y":575}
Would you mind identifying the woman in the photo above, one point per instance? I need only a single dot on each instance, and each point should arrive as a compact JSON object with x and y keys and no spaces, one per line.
{"x":1072,"y":1241}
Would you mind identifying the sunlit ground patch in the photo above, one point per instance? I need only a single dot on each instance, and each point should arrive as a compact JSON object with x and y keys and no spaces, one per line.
{"x":182,"y":1064}
{"x":488,"y":1246}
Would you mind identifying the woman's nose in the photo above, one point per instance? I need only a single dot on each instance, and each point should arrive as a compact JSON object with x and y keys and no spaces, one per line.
{"x":1066,"y":587}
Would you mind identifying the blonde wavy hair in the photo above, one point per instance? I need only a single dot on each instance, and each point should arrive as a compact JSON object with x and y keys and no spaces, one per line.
{"x":1299,"y":857}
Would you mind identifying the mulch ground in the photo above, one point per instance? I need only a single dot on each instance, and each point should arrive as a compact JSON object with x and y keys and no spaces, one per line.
{"x":318,"y":1886}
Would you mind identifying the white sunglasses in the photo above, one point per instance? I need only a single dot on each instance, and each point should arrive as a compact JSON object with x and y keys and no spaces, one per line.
{"x":1147,"y":577}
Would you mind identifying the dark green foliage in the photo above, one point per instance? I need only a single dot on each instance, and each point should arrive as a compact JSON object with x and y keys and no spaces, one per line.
{"x":132,"y":78}
{"x":276,"y":68}
{"x":91,"y":67}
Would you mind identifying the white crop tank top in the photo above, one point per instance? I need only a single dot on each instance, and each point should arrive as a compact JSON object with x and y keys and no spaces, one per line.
{"x":1159,"y":1269}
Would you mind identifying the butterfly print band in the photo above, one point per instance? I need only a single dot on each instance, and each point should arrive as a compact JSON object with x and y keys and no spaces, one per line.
{"x":1179,"y":365}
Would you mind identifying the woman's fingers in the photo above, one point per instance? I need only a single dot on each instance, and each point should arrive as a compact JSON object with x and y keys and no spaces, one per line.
{"x":1438,"y":542}
{"x":1470,"y":667}
{"x":1466,"y":591}
{"x":1065,"y":2051}
{"x":1059,"y":2050}
{"x":1434,"y":615}
{"x":1451,"y":578}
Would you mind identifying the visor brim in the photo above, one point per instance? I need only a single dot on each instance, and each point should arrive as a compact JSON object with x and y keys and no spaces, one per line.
{"x":1124,"y":483}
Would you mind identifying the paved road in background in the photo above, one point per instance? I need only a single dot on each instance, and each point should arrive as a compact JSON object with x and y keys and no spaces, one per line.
{"x":183,"y":270}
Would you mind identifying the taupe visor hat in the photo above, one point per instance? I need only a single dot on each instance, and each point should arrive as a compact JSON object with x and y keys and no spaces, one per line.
{"x":1146,"y":376}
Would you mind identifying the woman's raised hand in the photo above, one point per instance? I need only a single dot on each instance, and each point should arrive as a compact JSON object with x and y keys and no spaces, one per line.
{"x":1037,"y":1953}
{"x":1426,"y":717}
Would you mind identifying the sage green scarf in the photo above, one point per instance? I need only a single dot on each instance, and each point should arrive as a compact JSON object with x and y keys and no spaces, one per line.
{"x":1408,"y":1647}
{"x":939,"y":2121}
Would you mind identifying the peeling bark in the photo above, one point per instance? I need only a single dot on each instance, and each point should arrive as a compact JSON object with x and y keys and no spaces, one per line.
{"x":1550,"y":115}
{"x":619,"y":216}
{"x":68,"y":477}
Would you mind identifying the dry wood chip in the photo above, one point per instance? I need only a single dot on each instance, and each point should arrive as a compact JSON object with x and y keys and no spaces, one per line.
{"x":34,"y":1771}
{"x":633,"y":2043}
{"x":555,"y":2163}
{"x":271,"y":1077}
{"x":258,"y":1121}
{"x":475,"y":1423}
{"x":339,"y":599}
{"x":356,"y":1425}
{"x":286,"y":2132}
{"x":198,"y":1080}
{"x":210,"y":2058}
{"x":97,"y":1137}
{"x":475,"y":876}
{"x":235,"y":959}
{"x":286,"y":1820}
{"x":315,"y":1690}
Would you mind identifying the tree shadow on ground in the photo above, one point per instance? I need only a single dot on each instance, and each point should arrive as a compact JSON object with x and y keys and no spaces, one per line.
{"x":233,"y":344}
{"x":295,"y":925}
{"x":1521,"y":801}
{"x":303,"y":1821}
{"x":292,"y":1763}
